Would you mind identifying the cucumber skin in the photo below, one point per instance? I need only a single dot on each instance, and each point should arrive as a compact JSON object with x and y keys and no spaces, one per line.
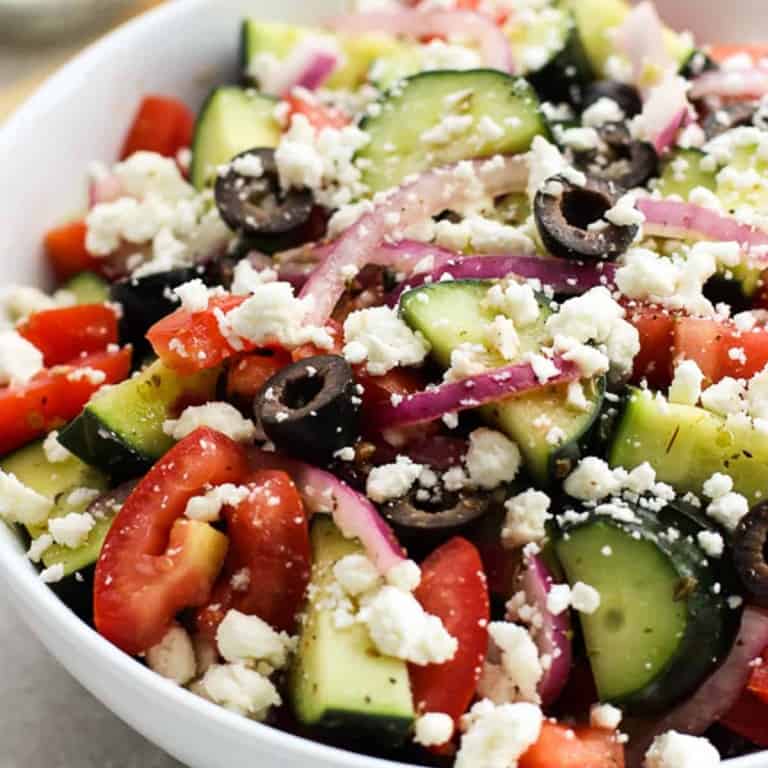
{"x":711,"y":626}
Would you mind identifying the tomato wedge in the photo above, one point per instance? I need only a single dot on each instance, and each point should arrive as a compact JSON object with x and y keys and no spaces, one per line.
{"x":189,"y":342}
{"x":653,"y":363}
{"x":66,"y":251}
{"x":248,"y":375}
{"x":66,"y":333}
{"x":453,"y":587}
{"x":755,"y":51}
{"x":56,"y":396}
{"x":155,"y":562}
{"x":267,"y":569}
{"x":560,"y":746}
{"x":749,"y":719}
{"x":161,"y":125}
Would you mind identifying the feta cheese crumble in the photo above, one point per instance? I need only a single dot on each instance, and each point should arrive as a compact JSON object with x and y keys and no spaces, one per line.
{"x":492,"y":458}
{"x":54,"y":451}
{"x":677,"y":750}
{"x":19,"y":359}
{"x":222,"y":417}
{"x":174,"y":656}
{"x":392,"y":481}
{"x":527,"y":515}
{"x":433,"y":729}
{"x":686,"y":383}
{"x":518,"y":675}
{"x":20,"y":504}
{"x":249,"y":639}
{"x":71,"y":530}
{"x":239,"y":689}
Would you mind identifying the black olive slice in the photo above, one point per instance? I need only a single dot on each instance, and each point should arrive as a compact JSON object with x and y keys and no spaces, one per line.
{"x":731,"y":116}
{"x":564,"y":213}
{"x":310,"y":409}
{"x":750,"y":548}
{"x":626,"y":163}
{"x":256,"y":205}
{"x":626,"y":96}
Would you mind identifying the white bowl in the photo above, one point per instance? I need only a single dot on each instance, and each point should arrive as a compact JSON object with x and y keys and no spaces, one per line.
{"x":80,"y":115}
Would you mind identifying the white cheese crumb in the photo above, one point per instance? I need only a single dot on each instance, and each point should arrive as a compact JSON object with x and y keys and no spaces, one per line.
{"x":711,"y":543}
{"x":19,"y":359}
{"x":71,"y":530}
{"x":52,"y":575}
{"x":677,"y":750}
{"x":516,"y":300}
{"x":391,"y":481}
{"x":405,"y":576}
{"x":433,"y":729}
{"x":686,"y":383}
{"x":728,"y":510}
{"x":527,"y":515}
{"x":356,"y":574}
{"x":54,"y":451}
{"x":193,"y":295}
{"x":20,"y":504}
{"x":38,"y":547}
{"x":605,"y":716}
{"x":174,"y":656}
{"x":518,"y":676}
{"x":222,"y":417}
{"x":725,"y":397}
{"x":584,"y":598}
{"x":207,"y":508}
{"x":717,"y":485}
{"x":386,"y":340}
{"x":247,"y":639}
{"x":492,"y":458}
{"x":400,"y":627}
{"x":592,"y":480}
{"x":239,"y":689}
{"x":603,"y":111}
{"x":246,"y":279}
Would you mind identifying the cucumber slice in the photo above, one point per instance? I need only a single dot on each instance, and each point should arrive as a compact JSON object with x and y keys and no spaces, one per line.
{"x":56,"y":481}
{"x":660,"y":628}
{"x":554,"y":36}
{"x":121,"y":430}
{"x":687,"y":445}
{"x":278,"y":40}
{"x":339,"y":680}
{"x":681,"y":173}
{"x":454,"y":314}
{"x":231,"y":121}
{"x":88,"y":288}
{"x":422,"y":102}
{"x":596,"y":18}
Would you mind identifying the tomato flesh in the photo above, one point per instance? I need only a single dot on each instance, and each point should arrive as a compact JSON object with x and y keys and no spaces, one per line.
{"x":154,"y":562}
{"x":66,"y":333}
{"x":453,"y":588}
{"x":247,"y":376}
{"x":560,"y":746}
{"x":55,"y":396}
{"x":319,"y":115}
{"x":657,"y":330}
{"x":749,"y":719}
{"x":269,"y":552}
{"x":161,"y":125}
{"x":66,"y":251}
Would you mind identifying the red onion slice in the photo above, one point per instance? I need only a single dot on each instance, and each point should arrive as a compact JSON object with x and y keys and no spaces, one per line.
{"x":730,"y":84}
{"x":311,"y":62}
{"x":665,"y":112}
{"x":553,"y":637}
{"x":563,"y":276}
{"x":715,"y":698}
{"x":472,"y":392}
{"x":439,"y":452}
{"x":354,"y":515}
{"x":668,"y":218}
{"x":416,"y":24}
{"x":428,"y":195}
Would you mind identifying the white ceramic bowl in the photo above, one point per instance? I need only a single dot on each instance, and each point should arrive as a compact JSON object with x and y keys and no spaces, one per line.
{"x":78,"y":116}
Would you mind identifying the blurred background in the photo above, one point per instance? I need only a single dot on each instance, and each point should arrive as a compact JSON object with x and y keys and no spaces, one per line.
{"x":38,"y":36}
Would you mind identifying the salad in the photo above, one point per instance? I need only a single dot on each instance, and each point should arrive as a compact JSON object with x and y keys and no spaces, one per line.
{"x":412,"y":396}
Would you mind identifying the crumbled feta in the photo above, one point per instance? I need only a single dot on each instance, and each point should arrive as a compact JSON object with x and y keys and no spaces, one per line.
{"x":502,"y":336}
{"x":559,"y":599}
{"x":450,"y":128}
{"x":387,"y":340}
{"x":246,"y":279}
{"x":728,"y":510}
{"x":581,"y":139}
{"x":273,"y":312}
{"x":717,"y":485}
{"x":39,"y":546}
{"x":516,"y":300}
{"x":71,"y":530}
{"x":711,"y":543}
{"x":603,"y":111}
{"x":391,"y":481}
{"x":207,"y":508}
{"x":54,"y":451}
{"x":497,"y":736}
{"x":437,"y":54}
{"x":239,"y":689}
{"x":193,"y":295}
{"x":52,"y":575}
{"x":174,"y":656}
{"x":543,"y":368}
{"x":492,"y":458}
{"x":605,"y":716}
{"x":356,"y":574}
{"x":19,"y":359}
{"x":527,"y":515}
{"x":222,"y":417}
{"x":592,"y":480}
{"x":20,"y":504}
{"x":406,"y":576}
{"x":641,"y":479}
{"x":686,"y":383}
{"x":518,"y":676}
{"x":467,"y":360}
{"x":400,"y":627}
{"x":247,"y":639}
{"x":479,"y":234}
{"x":433,"y":729}
{"x":546,"y":161}
{"x":24,"y":300}
{"x":757,"y":395}
{"x":725,"y":397}
{"x":645,"y":274}
{"x":584,"y":599}
{"x":677,"y":750}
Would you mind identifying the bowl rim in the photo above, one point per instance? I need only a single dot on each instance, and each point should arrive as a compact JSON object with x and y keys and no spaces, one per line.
{"x":21,"y":577}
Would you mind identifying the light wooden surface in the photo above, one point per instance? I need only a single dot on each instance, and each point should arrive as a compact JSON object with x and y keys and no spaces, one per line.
{"x":24,"y":69}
